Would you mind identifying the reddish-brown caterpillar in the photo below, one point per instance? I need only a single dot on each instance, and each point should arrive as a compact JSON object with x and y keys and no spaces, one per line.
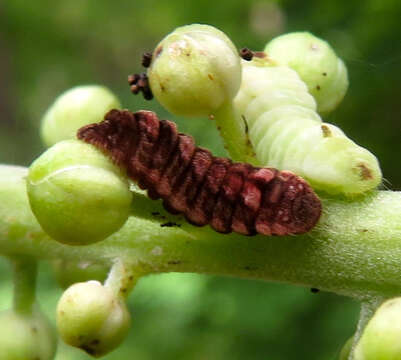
{"x":206,"y":189}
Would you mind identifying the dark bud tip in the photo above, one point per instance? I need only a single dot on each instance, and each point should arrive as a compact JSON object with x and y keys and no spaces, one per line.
{"x":147,"y":94}
{"x":140,"y":83}
{"x":246,"y":54}
{"x":132,"y":79}
{"x":135,"y":89}
{"x":146,"y":59}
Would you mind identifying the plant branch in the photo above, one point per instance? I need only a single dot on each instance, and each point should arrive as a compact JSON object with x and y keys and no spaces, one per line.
{"x":121,"y":279}
{"x":233,"y":130}
{"x":355,"y":250}
{"x":24,"y":276}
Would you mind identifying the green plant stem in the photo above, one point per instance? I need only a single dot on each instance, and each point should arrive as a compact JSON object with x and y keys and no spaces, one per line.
{"x":121,"y":278}
{"x":24,"y":278}
{"x":233,"y":131}
{"x":355,"y":250}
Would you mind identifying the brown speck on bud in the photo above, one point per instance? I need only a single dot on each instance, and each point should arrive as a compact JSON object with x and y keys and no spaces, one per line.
{"x":206,"y":189}
{"x":364,"y":172}
{"x":146,"y":59}
{"x":140,"y":83}
{"x":158,"y":51}
{"x":326,"y":131}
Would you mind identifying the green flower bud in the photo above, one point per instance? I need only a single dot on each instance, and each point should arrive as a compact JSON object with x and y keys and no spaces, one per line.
{"x":77,"y":194}
{"x":92,"y":318}
{"x":71,"y":272}
{"x":381,"y":338}
{"x":26,"y":337}
{"x":317,"y":65}
{"x":194,"y":70}
{"x":75,"y":108}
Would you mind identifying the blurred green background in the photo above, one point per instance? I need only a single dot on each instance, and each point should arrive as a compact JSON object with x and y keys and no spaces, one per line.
{"x":48,"y":46}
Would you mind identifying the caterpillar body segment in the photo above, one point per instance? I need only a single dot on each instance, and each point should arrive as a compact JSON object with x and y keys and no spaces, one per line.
{"x":210,"y":190}
{"x":265,"y":87}
{"x":287,"y":133}
{"x":316,"y":63}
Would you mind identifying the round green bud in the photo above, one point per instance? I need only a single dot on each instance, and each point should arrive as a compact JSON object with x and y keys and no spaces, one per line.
{"x":381,"y":338}
{"x":317,"y":65}
{"x":92,"y":318}
{"x":194,"y":70}
{"x":77,"y":194}
{"x":26,"y":336}
{"x":71,"y":272}
{"x":79,"y":106}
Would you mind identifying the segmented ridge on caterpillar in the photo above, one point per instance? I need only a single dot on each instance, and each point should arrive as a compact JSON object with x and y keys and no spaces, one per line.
{"x":206,"y":189}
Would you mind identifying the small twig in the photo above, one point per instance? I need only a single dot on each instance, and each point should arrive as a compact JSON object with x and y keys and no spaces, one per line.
{"x":121,"y":278}
{"x":24,"y":276}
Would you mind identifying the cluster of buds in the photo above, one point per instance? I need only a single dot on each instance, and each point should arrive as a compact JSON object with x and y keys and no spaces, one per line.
{"x":80,"y":196}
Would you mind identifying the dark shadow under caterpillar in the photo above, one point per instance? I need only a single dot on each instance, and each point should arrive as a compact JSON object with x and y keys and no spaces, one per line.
{"x":206,"y":189}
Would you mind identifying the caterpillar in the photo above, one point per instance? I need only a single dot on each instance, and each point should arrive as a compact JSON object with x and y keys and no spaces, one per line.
{"x":210,"y":190}
{"x":316,"y":63}
{"x":287,"y":133}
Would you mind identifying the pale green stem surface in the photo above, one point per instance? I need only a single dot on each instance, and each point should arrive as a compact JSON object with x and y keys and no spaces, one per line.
{"x":355,"y":250}
{"x":24,"y":278}
{"x":121,"y":278}
{"x":233,"y":131}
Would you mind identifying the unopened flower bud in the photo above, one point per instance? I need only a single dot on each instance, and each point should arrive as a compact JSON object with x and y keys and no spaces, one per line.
{"x":92,"y":318}
{"x":77,"y":194}
{"x":381,"y":338}
{"x":194,"y":70}
{"x":26,"y":336}
{"x":75,"y":108}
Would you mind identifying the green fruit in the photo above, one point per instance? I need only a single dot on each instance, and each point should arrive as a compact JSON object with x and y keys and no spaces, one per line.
{"x":381,"y":339}
{"x":77,"y":194}
{"x":194,"y":70}
{"x":92,"y":318}
{"x":317,"y":65}
{"x":75,"y":108}
{"x":26,"y":336}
